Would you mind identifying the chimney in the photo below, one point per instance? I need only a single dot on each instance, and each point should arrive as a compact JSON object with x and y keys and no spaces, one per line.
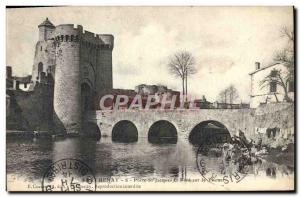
{"x":8,"y":72}
{"x":257,"y":65}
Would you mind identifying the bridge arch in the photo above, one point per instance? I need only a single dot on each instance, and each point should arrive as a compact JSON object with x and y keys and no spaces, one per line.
{"x":91,"y":129}
{"x":209,"y":130}
{"x":124,"y":131}
{"x":162,"y":131}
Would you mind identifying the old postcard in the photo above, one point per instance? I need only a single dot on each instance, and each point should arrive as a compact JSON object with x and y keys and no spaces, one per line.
{"x":150,"y":99}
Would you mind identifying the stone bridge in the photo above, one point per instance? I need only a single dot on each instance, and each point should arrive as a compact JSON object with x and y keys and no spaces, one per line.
{"x":182,"y":119}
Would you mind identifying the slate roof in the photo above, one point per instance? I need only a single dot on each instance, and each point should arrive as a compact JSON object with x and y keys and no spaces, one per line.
{"x":46,"y":23}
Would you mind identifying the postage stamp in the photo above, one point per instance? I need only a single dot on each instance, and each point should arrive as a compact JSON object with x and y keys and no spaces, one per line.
{"x":221,"y":163}
{"x":69,"y":175}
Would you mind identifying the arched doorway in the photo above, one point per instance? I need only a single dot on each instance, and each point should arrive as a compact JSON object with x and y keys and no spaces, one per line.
{"x":209,"y":132}
{"x":50,"y":78}
{"x":124,"y":131}
{"x":162,"y":132}
{"x":40,"y":70}
{"x":86,"y":97}
{"x":90,"y":129}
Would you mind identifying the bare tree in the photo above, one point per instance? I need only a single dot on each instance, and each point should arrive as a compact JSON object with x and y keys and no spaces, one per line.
{"x":233,"y":94}
{"x":222,"y":97}
{"x":288,"y":33}
{"x":228,"y":95}
{"x":286,"y":55}
{"x":182,"y":64}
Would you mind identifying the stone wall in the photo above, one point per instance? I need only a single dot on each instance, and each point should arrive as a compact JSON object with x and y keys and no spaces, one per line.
{"x":30,"y":110}
{"x":234,"y":120}
{"x":183,"y":120}
{"x":281,"y":116}
{"x":104,"y":80}
{"x":67,"y":88}
{"x":44,"y":55}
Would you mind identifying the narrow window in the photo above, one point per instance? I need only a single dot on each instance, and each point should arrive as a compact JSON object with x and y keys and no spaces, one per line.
{"x":40,"y":67}
{"x":41,"y":48}
{"x":40,"y":70}
{"x":17,"y":85}
{"x":273,"y":86}
{"x":291,"y":86}
{"x":269,"y":132}
{"x":274,"y":73}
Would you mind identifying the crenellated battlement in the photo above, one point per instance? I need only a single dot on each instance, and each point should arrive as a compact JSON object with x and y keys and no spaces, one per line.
{"x":107,"y":39}
{"x":103,"y":41}
{"x":69,"y":33}
{"x":68,"y":29}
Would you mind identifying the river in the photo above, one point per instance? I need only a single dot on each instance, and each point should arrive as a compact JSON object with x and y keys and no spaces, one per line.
{"x":30,"y":158}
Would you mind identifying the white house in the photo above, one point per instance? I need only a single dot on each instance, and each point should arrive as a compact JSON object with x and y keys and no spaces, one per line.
{"x":22,"y":83}
{"x":270,"y":91}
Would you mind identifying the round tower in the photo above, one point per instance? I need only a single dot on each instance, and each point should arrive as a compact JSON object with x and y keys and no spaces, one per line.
{"x":67,"y":89}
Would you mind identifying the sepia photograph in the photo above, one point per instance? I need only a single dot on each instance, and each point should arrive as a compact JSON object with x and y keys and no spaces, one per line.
{"x":150,"y":99}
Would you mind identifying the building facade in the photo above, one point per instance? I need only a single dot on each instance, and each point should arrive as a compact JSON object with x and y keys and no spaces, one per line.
{"x":17,"y":83}
{"x":270,"y":91}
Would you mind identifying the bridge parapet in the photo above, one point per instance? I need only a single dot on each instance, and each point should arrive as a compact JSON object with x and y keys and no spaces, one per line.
{"x":183,"y":120}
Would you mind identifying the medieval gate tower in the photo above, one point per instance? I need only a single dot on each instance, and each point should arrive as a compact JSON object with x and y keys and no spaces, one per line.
{"x":80,"y":63}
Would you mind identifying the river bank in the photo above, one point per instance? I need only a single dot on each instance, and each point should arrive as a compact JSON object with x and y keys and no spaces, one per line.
{"x":27,"y":134}
{"x":283,"y":157}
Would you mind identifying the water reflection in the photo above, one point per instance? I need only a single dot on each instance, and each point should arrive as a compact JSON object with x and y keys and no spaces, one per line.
{"x":28,"y":157}
{"x":91,"y":130}
{"x":83,"y":149}
{"x":163,"y":140}
{"x":106,"y":158}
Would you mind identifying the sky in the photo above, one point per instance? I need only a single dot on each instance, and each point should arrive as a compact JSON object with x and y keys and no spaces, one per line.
{"x":225,"y":42}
